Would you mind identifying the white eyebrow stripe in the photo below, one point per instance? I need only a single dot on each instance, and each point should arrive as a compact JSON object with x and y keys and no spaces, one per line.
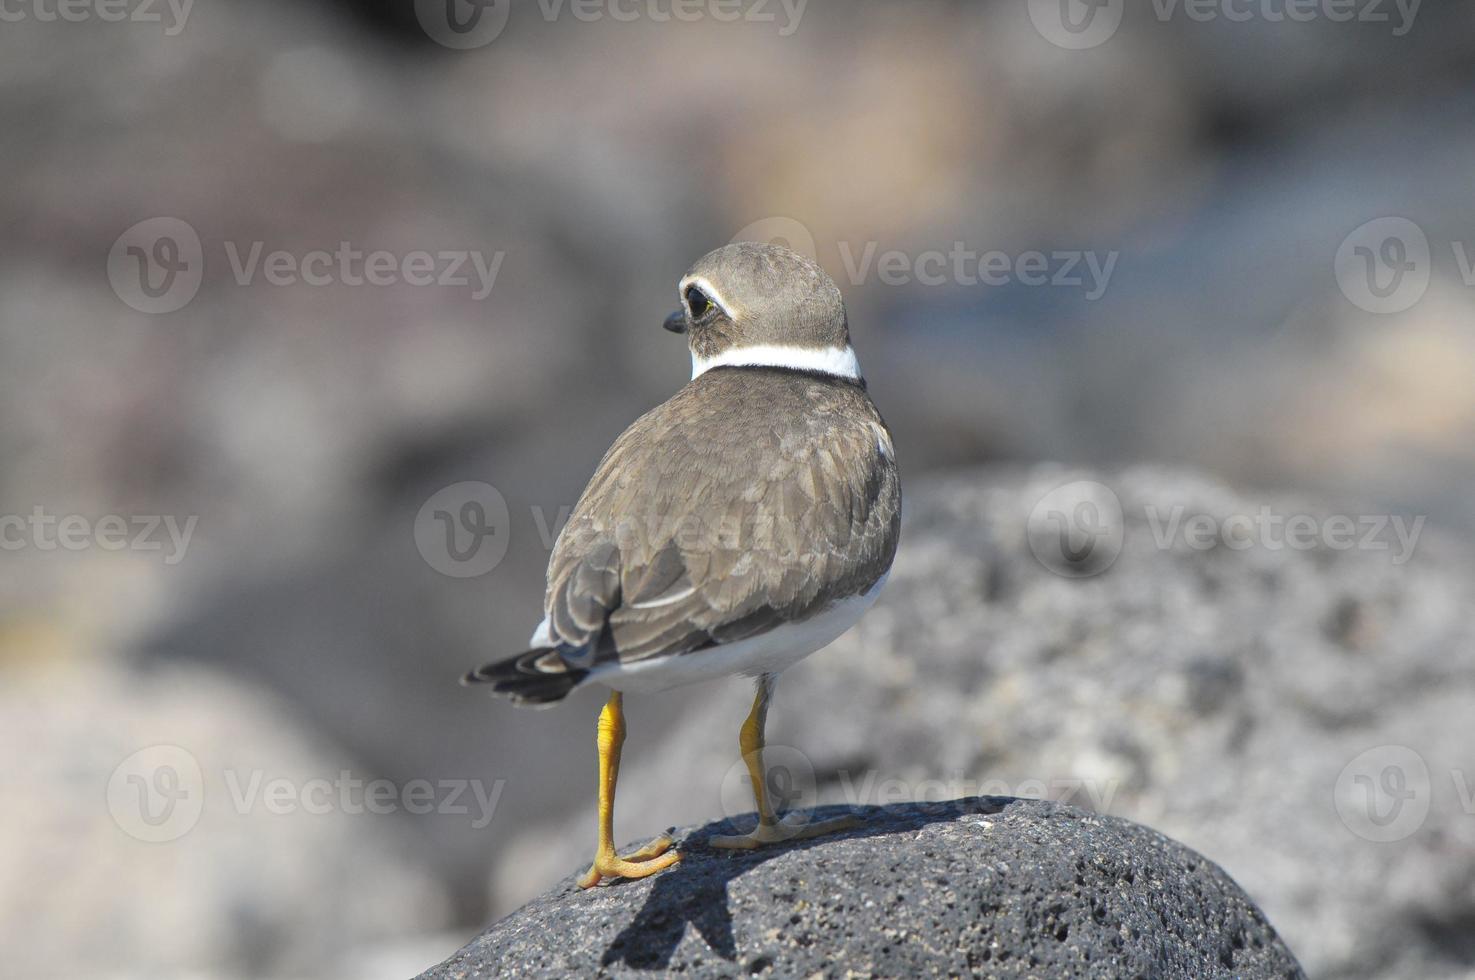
{"x":838,"y":361}
{"x":707,"y":288}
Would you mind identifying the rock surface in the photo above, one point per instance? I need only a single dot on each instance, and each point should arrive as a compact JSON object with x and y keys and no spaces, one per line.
{"x":987,"y":886}
{"x":1298,"y":715}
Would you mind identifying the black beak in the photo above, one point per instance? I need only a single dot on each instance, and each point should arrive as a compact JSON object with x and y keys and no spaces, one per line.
{"x":676,"y":322}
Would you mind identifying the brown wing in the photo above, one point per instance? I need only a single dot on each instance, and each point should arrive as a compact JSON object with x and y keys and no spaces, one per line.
{"x":752,"y":498}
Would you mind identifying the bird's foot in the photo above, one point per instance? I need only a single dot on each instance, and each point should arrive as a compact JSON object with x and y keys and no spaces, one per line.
{"x":641,"y":863}
{"x":776,"y":833}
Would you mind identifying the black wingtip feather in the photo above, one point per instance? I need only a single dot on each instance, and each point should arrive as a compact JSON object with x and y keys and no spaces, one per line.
{"x":523,"y":682}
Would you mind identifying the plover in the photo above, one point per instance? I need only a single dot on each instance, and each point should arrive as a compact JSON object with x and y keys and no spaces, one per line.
{"x":736,"y":528}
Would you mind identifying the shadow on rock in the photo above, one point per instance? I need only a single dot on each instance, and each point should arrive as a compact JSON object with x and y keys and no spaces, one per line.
{"x":695,"y":891}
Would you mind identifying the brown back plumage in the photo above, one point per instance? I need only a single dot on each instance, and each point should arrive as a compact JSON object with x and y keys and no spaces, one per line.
{"x":753,"y":497}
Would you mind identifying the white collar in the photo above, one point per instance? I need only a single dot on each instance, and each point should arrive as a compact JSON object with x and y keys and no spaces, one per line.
{"x":837,"y":361}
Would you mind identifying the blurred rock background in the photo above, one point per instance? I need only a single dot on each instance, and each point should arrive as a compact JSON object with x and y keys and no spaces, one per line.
{"x":303,"y":633}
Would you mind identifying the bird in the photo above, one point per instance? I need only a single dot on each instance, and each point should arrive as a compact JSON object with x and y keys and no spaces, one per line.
{"x":739,"y":526}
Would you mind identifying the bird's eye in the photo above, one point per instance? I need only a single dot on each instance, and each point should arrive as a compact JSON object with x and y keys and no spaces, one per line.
{"x":697,"y":302}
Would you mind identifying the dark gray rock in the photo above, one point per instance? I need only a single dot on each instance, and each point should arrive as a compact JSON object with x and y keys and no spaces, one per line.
{"x":986,"y":886}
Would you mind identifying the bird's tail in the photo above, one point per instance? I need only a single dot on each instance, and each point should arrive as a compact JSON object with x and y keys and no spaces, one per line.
{"x":539,"y":676}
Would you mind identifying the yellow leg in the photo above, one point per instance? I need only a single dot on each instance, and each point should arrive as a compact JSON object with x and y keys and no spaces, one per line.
{"x":650,"y":858}
{"x":770,"y":829}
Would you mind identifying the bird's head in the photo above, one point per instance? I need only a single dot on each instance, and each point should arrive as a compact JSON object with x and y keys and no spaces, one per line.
{"x":753,"y":304}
